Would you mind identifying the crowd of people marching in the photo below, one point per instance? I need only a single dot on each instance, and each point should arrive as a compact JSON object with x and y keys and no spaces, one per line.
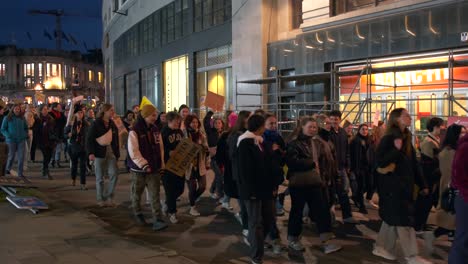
{"x":323,"y":164}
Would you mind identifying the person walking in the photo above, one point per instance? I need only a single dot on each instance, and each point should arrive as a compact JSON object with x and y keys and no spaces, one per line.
{"x":339,"y":138}
{"x":308,"y":185}
{"x":196,"y":174}
{"x":15,"y":130}
{"x":184,"y":111}
{"x":360,"y":165}
{"x":374,"y":141}
{"x":430,"y":148}
{"x":256,"y":187}
{"x":103,"y":148}
{"x":459,"y":251}
{"x":145,"y":163}
{"x":46,"y":138}
{"x":170,"y":137}
{"x":213,"y":135}
{"x":76,"y":133}
{"x":60,"y":122}
{"x":445,"y":221}
{"x":398,"y":171}
{"x":29,"y":116}
{"x":3,"y":145}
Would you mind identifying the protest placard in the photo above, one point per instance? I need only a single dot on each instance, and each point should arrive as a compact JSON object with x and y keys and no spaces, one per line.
{"x":182,"y":157}
{"x":214,"y":101}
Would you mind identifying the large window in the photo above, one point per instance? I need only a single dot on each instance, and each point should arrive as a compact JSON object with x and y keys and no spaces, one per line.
{"x":28,"y":74}
{"x":210,"y":13}
{"x":174,"y":20}
{"x":343,"y":6}
{"x":132,"y":90}
{"x":117,"y":95}
{"x":175,"y":82}
{"x":53,"y":76}
{"x":150,"y":84}
{"x":2,"y":70}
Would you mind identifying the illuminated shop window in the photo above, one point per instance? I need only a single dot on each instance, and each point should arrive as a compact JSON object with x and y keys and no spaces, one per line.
{"x":90,"y":75}
{"x":53,"y":76}
{"x":2,"y":69}
{"x":445,"y":105}
{"x":433,"y":104}
{"x":28,"y":74}
{"x":175,"y":82}
{"x":100,"y":78}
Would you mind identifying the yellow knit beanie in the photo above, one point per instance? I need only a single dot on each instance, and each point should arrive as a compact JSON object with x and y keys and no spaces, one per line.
{"x":147,"y":110}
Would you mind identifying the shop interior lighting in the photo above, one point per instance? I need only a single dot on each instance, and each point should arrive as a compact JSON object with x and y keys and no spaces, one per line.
{"x":431,"y":28}
{"x":310,"y":47}
{"x":317,"y":38}
{"x":329,"y":39}
{"x":287,"y":50}
{"x":407,"y":28}
{"x":358,"y":34}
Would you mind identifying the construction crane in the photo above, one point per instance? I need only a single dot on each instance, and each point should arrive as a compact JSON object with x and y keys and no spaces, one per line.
{"x":58,"y":13}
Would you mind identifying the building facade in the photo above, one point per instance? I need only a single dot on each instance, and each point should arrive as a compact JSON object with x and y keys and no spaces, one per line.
{"x":45,"y":76}
{"x":293,"y":57}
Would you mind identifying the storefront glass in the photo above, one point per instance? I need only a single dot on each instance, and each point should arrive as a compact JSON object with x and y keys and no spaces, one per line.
{"x":132,"y":90}
{"x":150,"y":86}
{"x":175,"y":83}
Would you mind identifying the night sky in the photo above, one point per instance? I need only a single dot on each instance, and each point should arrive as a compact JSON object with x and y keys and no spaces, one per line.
{"x":85,"y":26}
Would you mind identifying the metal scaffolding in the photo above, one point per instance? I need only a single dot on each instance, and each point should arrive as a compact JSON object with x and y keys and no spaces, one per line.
{"x":272,"y":91}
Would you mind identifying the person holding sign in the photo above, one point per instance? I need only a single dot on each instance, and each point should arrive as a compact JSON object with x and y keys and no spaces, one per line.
{"x":170,"y":137}
{"x":103,"y":149}
{"x":196,"y":180}
{"x":144,"y":163}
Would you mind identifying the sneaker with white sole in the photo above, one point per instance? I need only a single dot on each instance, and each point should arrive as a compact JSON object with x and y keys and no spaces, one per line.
{"x":417,"y":260}
{"x":214,"y":196}
{"x":246,"y":241}
{"x":226,"y":206}
{"x":238,"y":217}
{"x":245,"y":232}
{"x":173,"y":218}
{"x":296,"y":245}
{"x":370,"y":204}
{"x":276,"y":246}
{"x":381,"y":252}
{"x":330,"y":248}
{"x":193,"y":211}
{"x":351,"y":220}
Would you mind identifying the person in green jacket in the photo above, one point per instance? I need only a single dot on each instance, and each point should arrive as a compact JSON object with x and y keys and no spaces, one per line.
{"x":15,"y":131}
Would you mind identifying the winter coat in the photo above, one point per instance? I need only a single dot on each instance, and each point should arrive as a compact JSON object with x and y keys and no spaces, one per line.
{"x":2,"y":137}
{"x":359,"y":161}
{"x":97,"y":130}
{"x":429,"y":159}
{"x":15,"y":130}
{"x":224,"y":162}
{"x":232,"y":148}
{"x":45,"y":131}
{"x":396,"y":188}
{"x":340,"y":141}
{"x":460,"y":170}
{"x":60,"y":123}
{"x":254,"y":181}
{"x":445,"y":219}
{"x":144,"y":147}
{"x":77,"y":140}
{"x":274,"y":157}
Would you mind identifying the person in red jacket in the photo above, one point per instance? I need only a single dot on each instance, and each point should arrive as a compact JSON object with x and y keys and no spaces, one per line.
{"x":459,"y":251}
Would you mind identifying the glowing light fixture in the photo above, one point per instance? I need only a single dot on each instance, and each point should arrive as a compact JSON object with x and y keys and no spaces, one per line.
{"x":317,"y":38}
{"x":407,"y":28}
{"x":288,"y":50}
{"x":329,"y":39}
{"x":53,"y":83}
{"x":38,"y":87}
{"x":310,"y":47}
{"x":358,"y":34}
{"x":431,"y":28}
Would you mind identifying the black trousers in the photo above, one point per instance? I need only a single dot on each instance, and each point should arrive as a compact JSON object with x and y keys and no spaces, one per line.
{"x":46,"y":157}
{"x":33,"y":149}
{"x":261,"y":217}
{"x":316,"y":199}
{"x":422,"y":210}
{"x":174,"y":187}
{"x":78,"y":159}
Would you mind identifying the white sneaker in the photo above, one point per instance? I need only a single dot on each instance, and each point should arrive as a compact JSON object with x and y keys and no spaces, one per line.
{"x":370,"y":204}
{"x":193,"y":211}
{"x":381,"y":252}
{"x":296,"y":245}
{"x":245,"y":232}
{"x":214,"y":196}
{"x":173,"y":219}
{"x":330,"y":248}
{"x":226,"y":206}
{"x":429,"y":238}
{"x":417,"y":260}
{"x":277,"y":247}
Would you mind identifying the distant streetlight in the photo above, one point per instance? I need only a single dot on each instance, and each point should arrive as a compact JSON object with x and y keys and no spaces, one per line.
{"x":38,"y":87}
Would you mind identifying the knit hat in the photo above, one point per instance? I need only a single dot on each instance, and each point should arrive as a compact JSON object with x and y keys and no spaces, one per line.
{"x":147,"y":110}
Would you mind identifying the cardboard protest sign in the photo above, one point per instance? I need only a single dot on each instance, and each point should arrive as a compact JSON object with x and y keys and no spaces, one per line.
{"x":182,"y":157}
{"x":214,"y":101}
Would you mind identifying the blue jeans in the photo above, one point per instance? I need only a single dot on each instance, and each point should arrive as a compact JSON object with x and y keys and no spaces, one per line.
{"x":13,"y":150}
{"x":103,"y":165}
{"x":459,"y":251}
{"x":58,"y":151}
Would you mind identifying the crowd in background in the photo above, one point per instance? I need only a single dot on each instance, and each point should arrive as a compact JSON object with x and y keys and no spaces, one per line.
{"x":323,"y":164}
